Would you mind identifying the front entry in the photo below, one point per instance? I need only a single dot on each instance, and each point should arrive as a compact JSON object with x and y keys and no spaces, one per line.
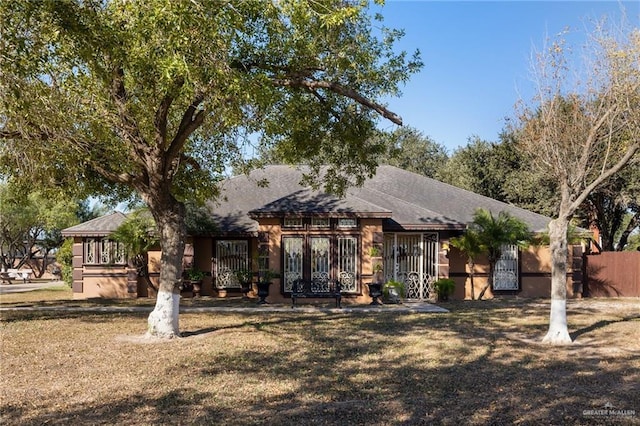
{"x":413,"y":260}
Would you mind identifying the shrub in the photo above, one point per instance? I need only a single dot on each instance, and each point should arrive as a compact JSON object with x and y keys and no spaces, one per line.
{"x":444,"y":288}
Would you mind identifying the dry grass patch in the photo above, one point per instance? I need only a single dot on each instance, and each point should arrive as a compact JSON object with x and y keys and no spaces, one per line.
{"x":479,"y":364}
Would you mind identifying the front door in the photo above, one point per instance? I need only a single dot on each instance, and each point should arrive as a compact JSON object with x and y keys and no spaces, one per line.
{"x":413,"y":260}
{"x":321,"y":259}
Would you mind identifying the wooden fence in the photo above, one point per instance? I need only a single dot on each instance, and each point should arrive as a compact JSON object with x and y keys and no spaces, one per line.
{"x":612,"y":274}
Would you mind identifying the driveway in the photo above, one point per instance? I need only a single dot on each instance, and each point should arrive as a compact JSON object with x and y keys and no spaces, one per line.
{"x":18,"y":287}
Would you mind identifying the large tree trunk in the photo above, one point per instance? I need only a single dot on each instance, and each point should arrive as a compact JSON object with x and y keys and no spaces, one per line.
{"x":169,"y":216}
{"x":558,"y":333}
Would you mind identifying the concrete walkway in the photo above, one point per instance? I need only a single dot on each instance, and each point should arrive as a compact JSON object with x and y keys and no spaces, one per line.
{"x":410,"y":307}
{"x":19,"y":287}
{"x":404,"y":308}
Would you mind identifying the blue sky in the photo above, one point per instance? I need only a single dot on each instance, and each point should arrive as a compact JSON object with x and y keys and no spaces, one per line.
{"x":477,"y":58}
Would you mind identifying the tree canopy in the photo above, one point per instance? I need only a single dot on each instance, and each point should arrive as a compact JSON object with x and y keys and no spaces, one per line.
{"x":161,"y":97}
{"x":30,"y":226}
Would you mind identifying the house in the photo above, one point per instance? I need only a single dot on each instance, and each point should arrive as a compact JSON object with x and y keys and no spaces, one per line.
{"x":396,"y":226}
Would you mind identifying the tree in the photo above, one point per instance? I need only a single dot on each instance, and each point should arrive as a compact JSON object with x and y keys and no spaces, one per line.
{"x":614,"y":208}
{"x":409,"y":149}
{"x":499,"y":170}
{"x":469,"y":243}
{"x":162,"y":97}
{"x":491,"y":233}
{"x":475,"y":167}
{"x":581,"y":132}
{"x":138,"y":235}
{"x":30,"y":225}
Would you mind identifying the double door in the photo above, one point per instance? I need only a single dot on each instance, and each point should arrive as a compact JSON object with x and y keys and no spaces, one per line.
{"x":320,"y":259}
{"x":413,"y":260}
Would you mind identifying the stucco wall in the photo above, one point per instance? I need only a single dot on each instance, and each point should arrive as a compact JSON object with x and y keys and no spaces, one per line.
{"x":535,"y":273}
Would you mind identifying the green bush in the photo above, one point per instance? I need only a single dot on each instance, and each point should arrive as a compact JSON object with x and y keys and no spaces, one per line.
{"x":444,"y":288}
{"x":391,"y":284}
{"x":64,"y":258}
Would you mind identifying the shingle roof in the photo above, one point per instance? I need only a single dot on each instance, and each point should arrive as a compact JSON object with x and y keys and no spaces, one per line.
{"x":99,"y":227}
{"x":404,"y":199}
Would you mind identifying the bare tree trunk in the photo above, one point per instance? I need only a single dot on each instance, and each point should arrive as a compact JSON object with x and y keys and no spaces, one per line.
{"x":558,"y":333}
{"x":169,"y":216}
{"x":624,"y":238}
{"x":492,"y":265}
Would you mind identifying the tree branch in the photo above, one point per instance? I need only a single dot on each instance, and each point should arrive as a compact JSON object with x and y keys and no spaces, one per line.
{"x":160,"y":122}
{"x":341,"y":90}
{"x":604,"y":176}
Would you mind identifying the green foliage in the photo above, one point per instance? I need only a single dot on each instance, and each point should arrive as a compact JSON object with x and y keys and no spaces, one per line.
{"x":469,"y":243}
{"x":138,"y":233}
{"x":64,"y":257}
{"x":244,"y":276}
{"x":267,"y":276}
{"x":195,"y":274}
{"x":30,"y":223}
{"x":445,"y":288}
{"x":495,"y":231}
{"x":408,"y":149}
{"x":199,"y":219}
{"x":501,"y":171}
{"x":118,"y":88}
{"x":398,"y":286}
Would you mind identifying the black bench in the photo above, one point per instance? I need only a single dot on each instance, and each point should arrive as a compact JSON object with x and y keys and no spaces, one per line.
{"x":6,"y":277}
{"x":316,"y":290}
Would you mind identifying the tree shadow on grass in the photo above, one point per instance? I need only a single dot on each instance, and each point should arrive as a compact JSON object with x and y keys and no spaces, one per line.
{"x":601,"y":324}
{"x":346,"y":369}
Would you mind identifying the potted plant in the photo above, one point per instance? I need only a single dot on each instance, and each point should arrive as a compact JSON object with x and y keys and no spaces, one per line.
{"x":444,"y":288}
{"x":264,"y":281}
{"x":195,"y":277}
{"x":245,"y":278}
{"x":393,"y":291}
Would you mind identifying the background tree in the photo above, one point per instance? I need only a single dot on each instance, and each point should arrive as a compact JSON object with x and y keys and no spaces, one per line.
{"x":501,"y":171}
{"x":581,"y":132}
{"x":30,"y":225}
{"x":476,"y":168}
{"x":409,"y":149}
{"x":162,"y":97}
{"x":614,"y":208}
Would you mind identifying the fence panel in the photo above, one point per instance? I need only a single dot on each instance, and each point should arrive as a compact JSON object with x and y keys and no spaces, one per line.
{"x":612,"y":274}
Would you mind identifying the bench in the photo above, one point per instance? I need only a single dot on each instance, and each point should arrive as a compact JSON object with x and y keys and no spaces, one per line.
{"x":316,"y":290}
{"x":6,"y":277}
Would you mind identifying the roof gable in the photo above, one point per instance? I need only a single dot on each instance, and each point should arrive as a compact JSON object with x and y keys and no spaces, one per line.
{"x":98,"y":227}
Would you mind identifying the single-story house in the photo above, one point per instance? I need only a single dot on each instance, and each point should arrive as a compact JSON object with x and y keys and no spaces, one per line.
{"x":397,"y":226}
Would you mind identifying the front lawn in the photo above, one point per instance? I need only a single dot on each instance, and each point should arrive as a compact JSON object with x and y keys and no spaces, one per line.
{"x":479,"y":364}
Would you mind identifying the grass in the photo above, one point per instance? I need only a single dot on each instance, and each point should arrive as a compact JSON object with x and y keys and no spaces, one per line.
{"x":482,"y":363}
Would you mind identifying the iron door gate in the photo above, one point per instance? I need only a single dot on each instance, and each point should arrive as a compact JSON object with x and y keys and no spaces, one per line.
{"x":413,"y":260}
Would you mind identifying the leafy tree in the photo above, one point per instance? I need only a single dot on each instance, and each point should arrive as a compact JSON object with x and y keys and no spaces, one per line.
{"x":138,"y":234}
{"x":30,"y":226}
{"x":64,"y":257}
{"x":499,"y":170}
{"x":409,"y":149}
{"x":581,"y":132}
{"x":488,"y":234}
{"x":614,"y":208}
{"x":162,"y":97}
{"x":475,"y":167}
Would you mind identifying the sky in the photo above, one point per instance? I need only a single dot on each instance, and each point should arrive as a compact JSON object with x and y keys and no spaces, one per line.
{"x":477,"y":58}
